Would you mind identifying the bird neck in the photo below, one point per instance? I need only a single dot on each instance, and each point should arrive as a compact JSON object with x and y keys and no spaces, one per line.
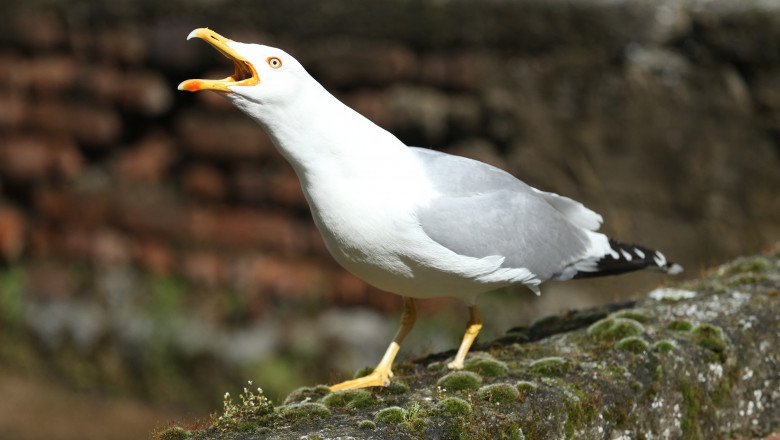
{"x":320,"y":132}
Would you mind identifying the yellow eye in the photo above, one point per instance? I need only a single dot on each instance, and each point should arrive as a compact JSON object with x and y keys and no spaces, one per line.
{"x":274,"y":62}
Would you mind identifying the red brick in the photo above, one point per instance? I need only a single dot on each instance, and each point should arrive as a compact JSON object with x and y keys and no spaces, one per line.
{"x":154,"y":256}
{"x":25,"y":159}
{"x":13,"y":226}
{"x":95,"y":124}
{"x":204,"y":182}
{"x":51,"y":74}
{"x":124,"y":45}
{"x":148,"y":161}
{"x":374,"y":105}
{"x":14,"y":109}
{"x":14,"y":70}
{"x":109,"y":248}
{"x":105,"y":82}
{"x":243,"y":228}
{"x":146,"y":92}
{"x":204,"y":267}
{"x":213,"y":135}
{"x":40,"y":28}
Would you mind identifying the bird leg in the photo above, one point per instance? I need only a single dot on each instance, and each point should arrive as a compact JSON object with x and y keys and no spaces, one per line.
{"x":383,"y":372}
{"x":474,"y":325}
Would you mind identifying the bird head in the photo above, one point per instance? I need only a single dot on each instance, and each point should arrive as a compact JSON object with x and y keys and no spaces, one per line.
{"x":262,"y":75}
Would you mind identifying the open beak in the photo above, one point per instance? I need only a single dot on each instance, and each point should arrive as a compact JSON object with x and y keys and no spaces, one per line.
{"x":245,"y":73}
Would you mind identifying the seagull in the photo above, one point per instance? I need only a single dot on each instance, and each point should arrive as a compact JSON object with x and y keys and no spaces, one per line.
{"x":412,"y":221}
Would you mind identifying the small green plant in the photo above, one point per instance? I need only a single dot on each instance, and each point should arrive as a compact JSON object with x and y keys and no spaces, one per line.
{"x":499,"y":393}
{"x":487,"y":367}
{"x":454,"y":406}
{"x":663,"y":347}
{"x":460,"y":380}
{"x":393,"y":415}
{"x":634,"y":344}
{"x":252,"y":408}
{"x":349,"y":399}
{"x":550,"y":366}
{"x":614,"y":329}
{"x":680,"y":325}
{"x":174,"y":433}
{"x":367,"y":424}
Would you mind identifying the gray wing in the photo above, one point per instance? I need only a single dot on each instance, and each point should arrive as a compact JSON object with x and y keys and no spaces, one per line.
{"x":484,"y":211}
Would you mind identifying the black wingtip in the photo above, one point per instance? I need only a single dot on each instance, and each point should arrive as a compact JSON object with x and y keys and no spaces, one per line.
{"x":629,"y":257}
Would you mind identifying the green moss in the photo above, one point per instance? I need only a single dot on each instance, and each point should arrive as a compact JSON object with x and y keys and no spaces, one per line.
{"x":550,"y":367}
{"x":454,"y":406}
{"x":307,"y":410}
{"x":460,"y":380}
{"x":638,"y":315}
{"x":418,"y":424}
{"x":367,"y":424}
{"x":633,"y":344}
{"x":525,"y":387}
{"x":680,"y":325}
{"x":349,"y":399}
{"x":517,"y":434}
{"x":745,"y":265}
{"x":487,"y":367}
{"x":435,"y":366}
{"x":499,"y":393}
{"x":546,"y":322}
{"x":175,"y":433}
{"x":303,"y":393}
{"x":692,"y":407}
{"x":363,"y":372}
{"x":710,"y":337}
{"x":393,"y":414}
{"x":614,"y":329}
{"x":396,"y":386}
{"x":663,"y":347}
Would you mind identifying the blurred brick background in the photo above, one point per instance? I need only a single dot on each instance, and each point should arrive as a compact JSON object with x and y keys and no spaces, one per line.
{"x":662,"y":116}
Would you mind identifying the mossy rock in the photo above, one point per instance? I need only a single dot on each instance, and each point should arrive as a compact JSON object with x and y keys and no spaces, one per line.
{"x":615,"y":329}
{"x":454,"y":406}
{"x":634,"y":344}
{"x":546,"y":323}
{"x":638,"y":315}
{"x":680,"y":325}
{"x":367,"y":424}
{"x":174,"y":433}
{"x":460,"y":380}
{"x":349,"y":399}
{"x":303,"y":393}
{"x":486,"y":366}
{"x":499,"y":393}
{"x":664,"y":346}
{"x":550,"y":366}
{"x":525,"y":387}
{"x":307,"y":410}
{"x":710,"y":337}
{"x":392,"y":415}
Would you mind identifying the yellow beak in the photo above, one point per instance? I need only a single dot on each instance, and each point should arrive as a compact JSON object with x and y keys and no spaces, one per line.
{"x":245,"y":73}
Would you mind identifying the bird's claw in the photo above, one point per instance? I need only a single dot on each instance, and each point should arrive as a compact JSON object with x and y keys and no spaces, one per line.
{"x":379,"y":378}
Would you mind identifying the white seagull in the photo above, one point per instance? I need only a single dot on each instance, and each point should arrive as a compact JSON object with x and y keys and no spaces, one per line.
{"x":413,"y":221}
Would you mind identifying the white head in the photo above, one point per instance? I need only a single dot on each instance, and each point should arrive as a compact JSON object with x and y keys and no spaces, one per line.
{"x":264,"y":75}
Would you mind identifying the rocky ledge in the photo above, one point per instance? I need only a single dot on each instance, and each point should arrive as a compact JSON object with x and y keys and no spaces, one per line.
{"x":697,"y":360}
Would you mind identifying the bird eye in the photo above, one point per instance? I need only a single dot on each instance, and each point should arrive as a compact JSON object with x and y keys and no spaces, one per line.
{"x":274,"y":62}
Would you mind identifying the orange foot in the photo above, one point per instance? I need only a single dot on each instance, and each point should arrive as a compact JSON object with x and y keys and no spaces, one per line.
{"x":379,"y":378}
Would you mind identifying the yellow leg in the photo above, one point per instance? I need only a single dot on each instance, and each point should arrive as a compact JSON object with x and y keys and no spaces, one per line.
{"x":474,"y":325}
{"x":383,"y":372}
